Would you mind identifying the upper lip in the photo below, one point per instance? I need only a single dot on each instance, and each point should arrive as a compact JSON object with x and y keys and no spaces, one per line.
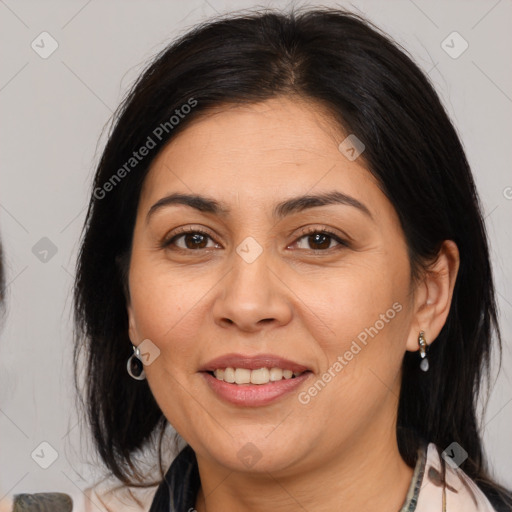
{"x":253,"y":362}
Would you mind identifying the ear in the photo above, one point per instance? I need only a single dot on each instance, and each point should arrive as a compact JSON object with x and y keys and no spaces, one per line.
{"x":132,"y":329}
{"x":433,"y":295}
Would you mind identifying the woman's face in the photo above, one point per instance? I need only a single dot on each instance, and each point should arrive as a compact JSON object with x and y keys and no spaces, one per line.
{"x":264,"y":278}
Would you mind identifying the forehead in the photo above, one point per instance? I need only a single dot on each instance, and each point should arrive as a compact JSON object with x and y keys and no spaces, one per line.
{"x":278,"y":147}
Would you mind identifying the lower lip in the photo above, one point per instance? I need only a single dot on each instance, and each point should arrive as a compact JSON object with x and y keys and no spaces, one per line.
{"x":253,"y":395}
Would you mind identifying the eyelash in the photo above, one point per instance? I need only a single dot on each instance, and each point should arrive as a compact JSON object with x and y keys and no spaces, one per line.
{"x":310,"y":231}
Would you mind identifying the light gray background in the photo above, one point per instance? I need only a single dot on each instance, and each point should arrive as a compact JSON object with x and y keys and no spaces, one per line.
{"x":53,"y":111}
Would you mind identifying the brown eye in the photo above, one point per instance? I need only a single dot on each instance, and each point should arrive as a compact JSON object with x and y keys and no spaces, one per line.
{"x":194,"y":240}
{"x":190,"y":240}
{"x":319,"y":240}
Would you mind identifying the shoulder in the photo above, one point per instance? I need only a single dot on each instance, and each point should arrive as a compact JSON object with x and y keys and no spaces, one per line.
{"x":109,"y":495}
{"x":459,"y":493}
{"x":105,"y":496}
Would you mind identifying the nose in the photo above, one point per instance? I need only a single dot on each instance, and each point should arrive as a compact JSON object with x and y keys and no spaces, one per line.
{"x":252,"y":296}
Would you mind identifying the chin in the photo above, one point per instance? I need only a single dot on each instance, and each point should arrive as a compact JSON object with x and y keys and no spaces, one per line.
{"x":263,"y":453}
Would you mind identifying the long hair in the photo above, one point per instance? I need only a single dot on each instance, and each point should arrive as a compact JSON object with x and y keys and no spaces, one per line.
{"x":372,"y":89}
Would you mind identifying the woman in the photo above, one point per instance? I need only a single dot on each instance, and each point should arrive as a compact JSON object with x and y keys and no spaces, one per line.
{"x":284,"y":258}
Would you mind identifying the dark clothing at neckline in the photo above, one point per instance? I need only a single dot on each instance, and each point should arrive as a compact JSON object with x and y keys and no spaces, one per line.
{"x":178,"y":491}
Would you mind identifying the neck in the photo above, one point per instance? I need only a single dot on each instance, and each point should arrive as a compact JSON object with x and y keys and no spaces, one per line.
{"x":368,"y":475}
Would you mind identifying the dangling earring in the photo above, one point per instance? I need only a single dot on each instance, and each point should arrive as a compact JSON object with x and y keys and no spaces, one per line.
{"x":134,"y":365}
{"x":423,"y":351}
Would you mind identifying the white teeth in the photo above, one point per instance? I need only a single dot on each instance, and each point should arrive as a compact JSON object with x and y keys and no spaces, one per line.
{"x":276,"y":374}
{"x":259,"y":376}
{"x":229,"y":375}
{"x":242,"y":376}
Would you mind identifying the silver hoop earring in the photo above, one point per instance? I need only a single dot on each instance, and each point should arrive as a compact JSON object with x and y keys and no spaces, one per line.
{"x":423,"y":351}
{"x":134,"y":365}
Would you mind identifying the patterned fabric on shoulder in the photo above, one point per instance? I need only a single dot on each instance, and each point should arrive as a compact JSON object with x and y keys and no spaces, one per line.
{"x":459,"y":494}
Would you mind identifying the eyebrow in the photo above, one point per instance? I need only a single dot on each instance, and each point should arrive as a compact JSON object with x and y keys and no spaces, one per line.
{"x":281,"y":210}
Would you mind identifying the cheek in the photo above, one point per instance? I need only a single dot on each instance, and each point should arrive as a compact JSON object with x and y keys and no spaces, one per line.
{"x":362,"y":359}
{"x":361,"y":304}
{"x":368,"y":311}
{"x":168,"y":313}
{"x":165,"y":309}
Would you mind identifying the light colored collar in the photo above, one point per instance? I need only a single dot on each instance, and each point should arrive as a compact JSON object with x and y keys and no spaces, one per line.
{"x":459,"y":493}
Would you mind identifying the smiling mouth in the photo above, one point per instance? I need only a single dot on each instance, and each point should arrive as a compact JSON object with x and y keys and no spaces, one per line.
{"x":260,"y":376}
